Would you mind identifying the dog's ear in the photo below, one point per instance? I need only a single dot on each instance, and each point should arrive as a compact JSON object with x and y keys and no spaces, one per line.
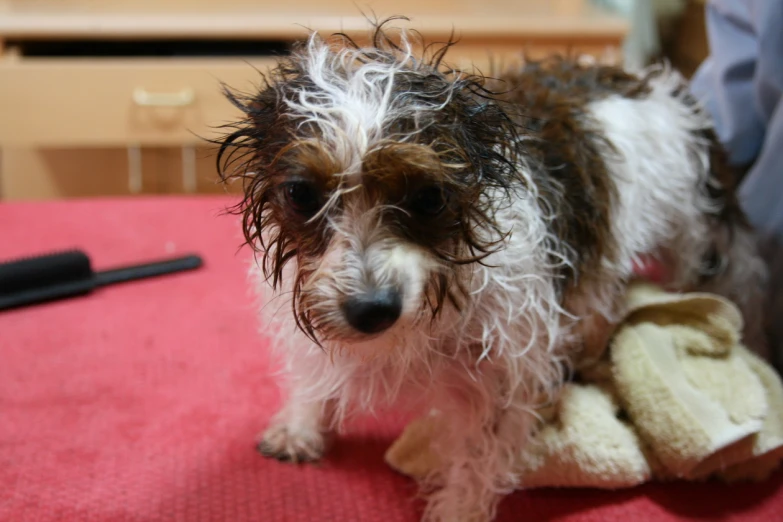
{"x":264,"y":128}
{"x":259,"y":113}
{"x":262,"y":107}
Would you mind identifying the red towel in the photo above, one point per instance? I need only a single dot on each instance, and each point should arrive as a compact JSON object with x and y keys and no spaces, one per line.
{"x":141,"y":402}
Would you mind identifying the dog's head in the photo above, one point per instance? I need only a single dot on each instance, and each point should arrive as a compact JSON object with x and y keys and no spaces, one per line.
{"x":371,"y":176}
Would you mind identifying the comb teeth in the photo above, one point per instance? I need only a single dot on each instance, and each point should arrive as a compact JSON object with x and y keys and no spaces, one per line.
{"x":41,"y":271}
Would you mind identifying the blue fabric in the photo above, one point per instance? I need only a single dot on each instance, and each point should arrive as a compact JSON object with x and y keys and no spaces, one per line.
{"x":740,"y":84}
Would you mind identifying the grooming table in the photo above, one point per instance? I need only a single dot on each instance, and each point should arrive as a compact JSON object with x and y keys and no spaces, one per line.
{"x":141,"y":402}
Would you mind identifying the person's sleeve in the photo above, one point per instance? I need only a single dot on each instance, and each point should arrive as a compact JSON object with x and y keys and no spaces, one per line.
{"x":741,"y":84}
{"x":725,"y":82}
{"x":761,"y":192}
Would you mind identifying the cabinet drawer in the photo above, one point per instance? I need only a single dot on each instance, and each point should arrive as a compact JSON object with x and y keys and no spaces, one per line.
{"x":104,"y":102}
{"x":63,"y":102}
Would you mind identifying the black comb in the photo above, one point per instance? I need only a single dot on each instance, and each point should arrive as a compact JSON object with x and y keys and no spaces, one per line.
{"x":69,"y":274}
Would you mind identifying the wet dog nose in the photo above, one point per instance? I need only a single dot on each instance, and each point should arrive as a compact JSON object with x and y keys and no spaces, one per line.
{"x":373,"y":312}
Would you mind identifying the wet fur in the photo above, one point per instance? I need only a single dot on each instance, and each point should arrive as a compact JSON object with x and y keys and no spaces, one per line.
{"x":559,"y":177}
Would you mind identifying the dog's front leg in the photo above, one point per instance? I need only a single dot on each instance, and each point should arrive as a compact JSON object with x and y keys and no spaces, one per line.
{"x":298,"y":432}
{"x":478,"y":461}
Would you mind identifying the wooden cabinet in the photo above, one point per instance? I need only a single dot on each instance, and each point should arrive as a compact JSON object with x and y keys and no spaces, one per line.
{"x":108,"y":98}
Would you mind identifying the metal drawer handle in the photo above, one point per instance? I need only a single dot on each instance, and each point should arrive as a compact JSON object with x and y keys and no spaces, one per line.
{"x":163,"y":99}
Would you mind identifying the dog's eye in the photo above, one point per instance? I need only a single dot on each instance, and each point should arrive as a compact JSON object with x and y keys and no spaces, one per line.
{"x":430,"y":201}
{"x":303,"y":197}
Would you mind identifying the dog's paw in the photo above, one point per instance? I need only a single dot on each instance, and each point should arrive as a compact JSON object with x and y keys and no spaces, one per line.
{"x":286,"y":444}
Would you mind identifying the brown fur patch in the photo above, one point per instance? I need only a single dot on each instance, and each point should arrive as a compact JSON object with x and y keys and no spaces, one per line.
{"x":548,"y":102}
{"x":308,"y":159}
{"x":396,"y":174}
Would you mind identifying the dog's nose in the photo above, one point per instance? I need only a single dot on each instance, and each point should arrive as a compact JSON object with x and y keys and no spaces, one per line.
{"x":373,"y":312}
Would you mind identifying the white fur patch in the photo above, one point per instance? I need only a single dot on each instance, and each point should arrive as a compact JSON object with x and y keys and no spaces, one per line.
{"x":659,"y":168}
{"x":352,"y":103}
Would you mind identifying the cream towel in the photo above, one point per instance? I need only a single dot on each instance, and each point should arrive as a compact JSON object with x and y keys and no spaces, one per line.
{"x":676,"y":396}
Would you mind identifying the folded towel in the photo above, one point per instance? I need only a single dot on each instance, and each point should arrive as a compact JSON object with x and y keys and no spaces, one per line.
{"x":676,"y":395}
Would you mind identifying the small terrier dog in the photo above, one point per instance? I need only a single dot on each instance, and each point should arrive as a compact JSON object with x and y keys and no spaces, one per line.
{"x":451,"y":241}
